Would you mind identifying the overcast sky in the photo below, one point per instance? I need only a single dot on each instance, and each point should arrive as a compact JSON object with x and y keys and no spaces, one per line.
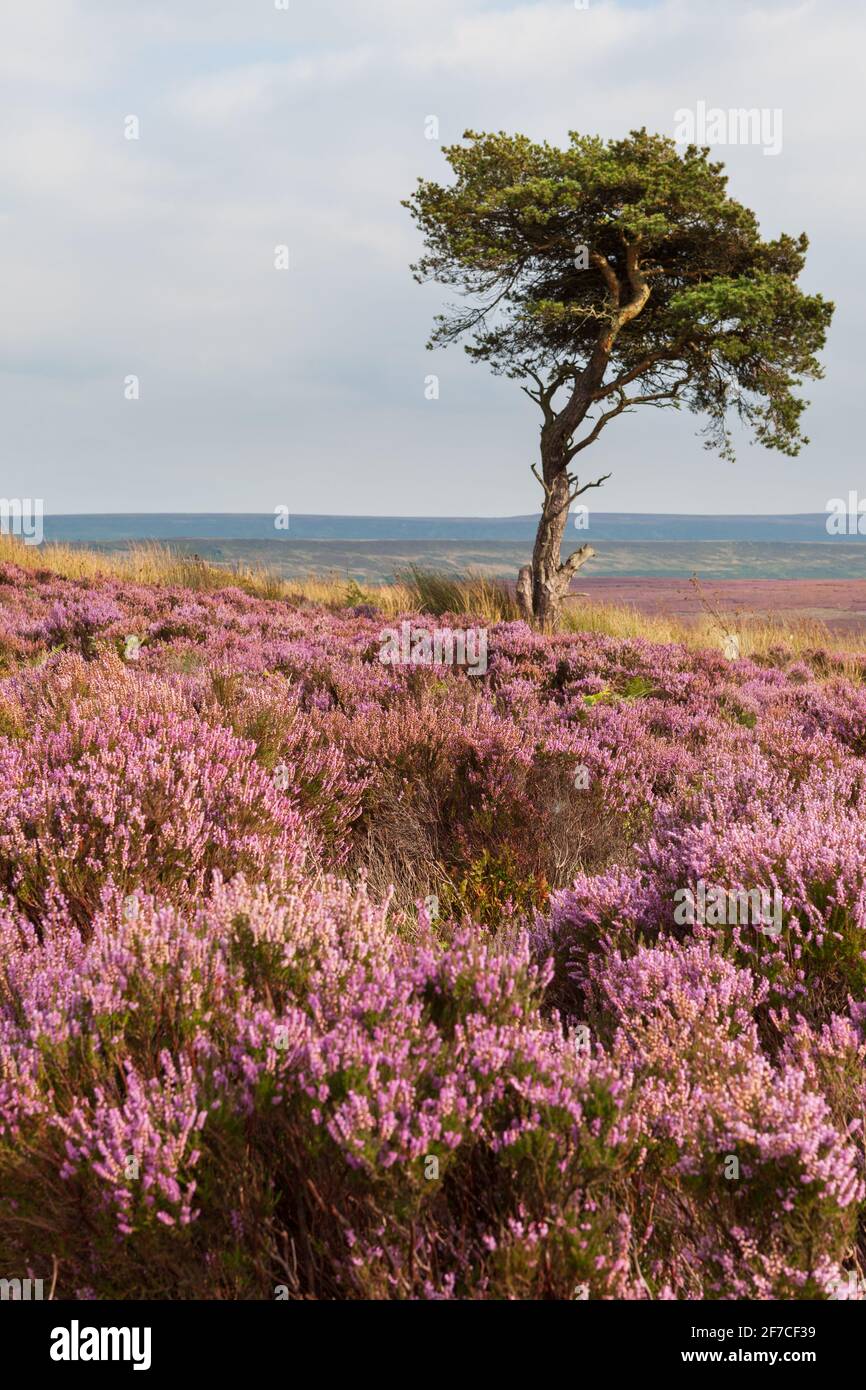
{"x":305,"y":388}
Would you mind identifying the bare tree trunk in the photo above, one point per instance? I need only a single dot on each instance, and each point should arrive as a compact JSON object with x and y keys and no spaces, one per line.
{"x":524,"y":593}
{"x":551,"y":576}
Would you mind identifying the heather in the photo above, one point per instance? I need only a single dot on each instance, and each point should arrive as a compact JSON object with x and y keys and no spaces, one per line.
{"x":343,"y":979}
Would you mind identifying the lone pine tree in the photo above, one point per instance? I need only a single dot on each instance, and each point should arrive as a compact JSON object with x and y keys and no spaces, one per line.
{"x":611,"y":275}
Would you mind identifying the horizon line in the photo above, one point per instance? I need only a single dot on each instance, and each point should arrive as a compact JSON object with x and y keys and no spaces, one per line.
{"x":435,"y":516}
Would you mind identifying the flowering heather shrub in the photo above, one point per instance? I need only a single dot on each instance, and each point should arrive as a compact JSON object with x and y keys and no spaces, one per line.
{"x":686,"y":1015}
{"x":224,"y":1070}
{"x":139,"y":801}
{"x":75,"y":622}
{"x":188,"y":1088}
{"x":804,"y":840}
{"x":294,"y":745}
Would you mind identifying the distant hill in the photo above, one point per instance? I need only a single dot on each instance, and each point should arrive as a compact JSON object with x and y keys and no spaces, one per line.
{"x":603,"y":526}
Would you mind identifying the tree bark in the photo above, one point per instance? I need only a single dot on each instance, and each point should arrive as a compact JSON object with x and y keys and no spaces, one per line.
{"x":552,"y":576}
{"x":524,"y":593}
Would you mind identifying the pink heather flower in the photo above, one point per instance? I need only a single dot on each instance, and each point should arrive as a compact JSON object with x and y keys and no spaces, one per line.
{"x":217,"y":1059}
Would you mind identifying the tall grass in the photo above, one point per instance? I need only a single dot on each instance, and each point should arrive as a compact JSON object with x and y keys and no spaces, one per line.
{"x":436,"y":593}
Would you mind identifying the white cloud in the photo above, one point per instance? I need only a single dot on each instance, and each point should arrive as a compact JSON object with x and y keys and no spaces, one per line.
{"x":224,"y":98}
{"x":260,"y":127}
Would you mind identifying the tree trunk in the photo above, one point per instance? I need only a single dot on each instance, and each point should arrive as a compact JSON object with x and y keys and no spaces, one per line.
{"x":524,"y":593}
{"x":551,"y":576}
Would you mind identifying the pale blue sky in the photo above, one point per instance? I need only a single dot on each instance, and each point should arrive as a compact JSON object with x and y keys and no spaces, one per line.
{"x":306,"y":127}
